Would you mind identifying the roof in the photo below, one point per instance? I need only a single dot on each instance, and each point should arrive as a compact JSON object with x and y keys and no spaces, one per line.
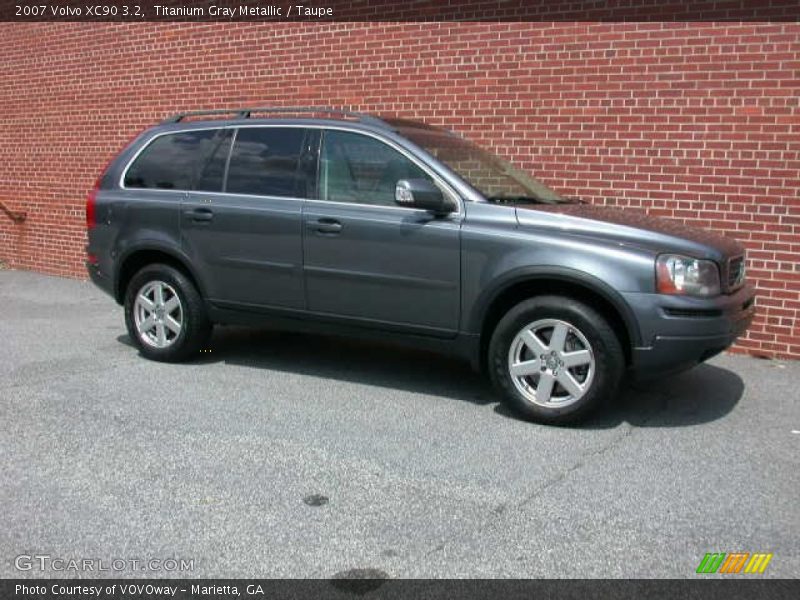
{"x":246,"y":113}
{"x":315,"y":114}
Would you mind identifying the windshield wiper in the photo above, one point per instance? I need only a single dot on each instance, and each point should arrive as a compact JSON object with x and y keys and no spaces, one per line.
{"x":514,"y":200}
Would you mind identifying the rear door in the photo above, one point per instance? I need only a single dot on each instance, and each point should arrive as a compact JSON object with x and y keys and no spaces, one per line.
{"x":156,"y":183}
{"x":241,"y":224}
{"x":367,"y":258}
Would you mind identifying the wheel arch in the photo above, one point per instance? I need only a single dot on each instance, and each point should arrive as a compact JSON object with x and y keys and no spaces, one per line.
{"x":136,"y":258}
{"x":529,"y":283}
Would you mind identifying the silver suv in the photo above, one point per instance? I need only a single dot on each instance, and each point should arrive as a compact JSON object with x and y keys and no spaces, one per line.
{"x":346,"y":223}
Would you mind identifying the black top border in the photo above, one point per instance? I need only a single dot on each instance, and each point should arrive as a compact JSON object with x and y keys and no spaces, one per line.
{"x":255,"y":11}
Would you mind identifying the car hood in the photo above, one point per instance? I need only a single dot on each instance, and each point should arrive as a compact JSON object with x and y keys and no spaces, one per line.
{"x":630,"y":227}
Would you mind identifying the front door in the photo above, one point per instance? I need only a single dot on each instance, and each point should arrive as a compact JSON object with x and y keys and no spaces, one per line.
{"x":368,"y":259}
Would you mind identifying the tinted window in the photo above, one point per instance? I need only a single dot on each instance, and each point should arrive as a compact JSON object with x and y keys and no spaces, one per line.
{"x":270,"y":161}
{"x":358,"y":168}
{"x":172,"y":161}
{"x":213,"y":172}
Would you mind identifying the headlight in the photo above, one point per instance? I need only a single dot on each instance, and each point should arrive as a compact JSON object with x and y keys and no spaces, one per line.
{"x":684,"y":275}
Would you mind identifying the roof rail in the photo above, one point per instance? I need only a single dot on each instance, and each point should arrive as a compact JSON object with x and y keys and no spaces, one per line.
{"x":244,"y":113}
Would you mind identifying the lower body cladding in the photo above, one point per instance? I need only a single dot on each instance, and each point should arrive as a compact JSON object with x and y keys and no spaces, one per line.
{"x":674,"y":332}
{"x":99,"y":278}
{"x":679,"y":332}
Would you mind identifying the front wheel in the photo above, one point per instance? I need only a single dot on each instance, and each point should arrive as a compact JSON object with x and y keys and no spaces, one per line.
{"x":554,"y":359}
{"x":165,"y":314}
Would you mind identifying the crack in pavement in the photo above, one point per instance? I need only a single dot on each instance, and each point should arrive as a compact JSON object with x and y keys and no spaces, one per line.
{"x":583,"y":460}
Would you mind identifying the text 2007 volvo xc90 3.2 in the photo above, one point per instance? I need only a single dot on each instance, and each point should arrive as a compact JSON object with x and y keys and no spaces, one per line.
{"x":344,"y":223}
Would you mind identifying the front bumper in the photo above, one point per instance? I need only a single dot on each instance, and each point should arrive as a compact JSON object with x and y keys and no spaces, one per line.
{"x":679,"y":332}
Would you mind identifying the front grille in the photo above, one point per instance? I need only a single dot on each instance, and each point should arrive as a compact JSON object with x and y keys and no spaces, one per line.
{"x":735,"y":276}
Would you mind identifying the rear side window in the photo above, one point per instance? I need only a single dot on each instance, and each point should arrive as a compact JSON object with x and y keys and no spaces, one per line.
{"x":270,"y":161}
{"x":172,"y":161}
{"x":213,"y":172}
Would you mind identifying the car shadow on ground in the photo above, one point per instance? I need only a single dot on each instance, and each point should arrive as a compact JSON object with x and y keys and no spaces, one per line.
{"x":700,"y":395}
{"x":703,"y":394}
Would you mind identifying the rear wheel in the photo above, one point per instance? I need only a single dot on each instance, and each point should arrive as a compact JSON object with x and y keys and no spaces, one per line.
{"x":555,"y":359}
{"x":164,"y":314}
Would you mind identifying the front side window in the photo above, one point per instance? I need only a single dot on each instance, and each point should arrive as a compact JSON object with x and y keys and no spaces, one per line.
{"x":172,"y":161}
{"x":271,"y":161}
{"x":361,"y":169}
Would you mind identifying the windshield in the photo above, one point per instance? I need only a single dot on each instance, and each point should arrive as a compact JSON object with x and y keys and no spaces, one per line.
{"x":494,"y":177}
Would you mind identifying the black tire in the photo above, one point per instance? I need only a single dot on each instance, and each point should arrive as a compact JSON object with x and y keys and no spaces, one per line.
{"x":195,"y":326}
{"x":606,"y":350}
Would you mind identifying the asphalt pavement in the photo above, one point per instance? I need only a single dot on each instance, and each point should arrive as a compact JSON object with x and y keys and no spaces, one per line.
{"x":295,"y":455}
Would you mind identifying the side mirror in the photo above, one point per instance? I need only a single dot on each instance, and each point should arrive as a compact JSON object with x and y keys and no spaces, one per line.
{"x":421,"y":193}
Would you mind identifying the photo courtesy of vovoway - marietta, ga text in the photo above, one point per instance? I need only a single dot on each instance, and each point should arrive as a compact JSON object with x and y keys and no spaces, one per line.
{"x":133,"y":589}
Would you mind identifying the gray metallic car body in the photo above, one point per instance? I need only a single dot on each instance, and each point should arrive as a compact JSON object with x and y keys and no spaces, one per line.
{"x":440,"y":282}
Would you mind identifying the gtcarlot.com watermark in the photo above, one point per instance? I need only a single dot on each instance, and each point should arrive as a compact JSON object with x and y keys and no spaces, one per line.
{"x":46,"y":562}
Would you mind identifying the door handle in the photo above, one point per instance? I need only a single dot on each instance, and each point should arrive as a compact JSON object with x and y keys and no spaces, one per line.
{"x":200,"y":214}
{"x":330,"y":226}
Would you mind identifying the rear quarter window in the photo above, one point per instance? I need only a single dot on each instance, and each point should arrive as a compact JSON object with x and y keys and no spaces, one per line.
{"x":172,"y":161}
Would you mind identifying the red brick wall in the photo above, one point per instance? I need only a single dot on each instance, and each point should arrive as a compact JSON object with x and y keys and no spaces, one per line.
{"x":695,"y":121}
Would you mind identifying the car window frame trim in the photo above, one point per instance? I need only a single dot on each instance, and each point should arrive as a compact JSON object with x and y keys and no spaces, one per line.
{"x":435,"y":176}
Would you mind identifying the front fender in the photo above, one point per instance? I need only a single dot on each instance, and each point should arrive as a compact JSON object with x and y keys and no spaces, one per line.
{"x":567,"y":275}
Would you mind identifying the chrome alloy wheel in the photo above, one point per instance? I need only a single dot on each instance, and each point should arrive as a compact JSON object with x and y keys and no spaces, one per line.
{"x":551,"y":363}
{"x":158,"y":314}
